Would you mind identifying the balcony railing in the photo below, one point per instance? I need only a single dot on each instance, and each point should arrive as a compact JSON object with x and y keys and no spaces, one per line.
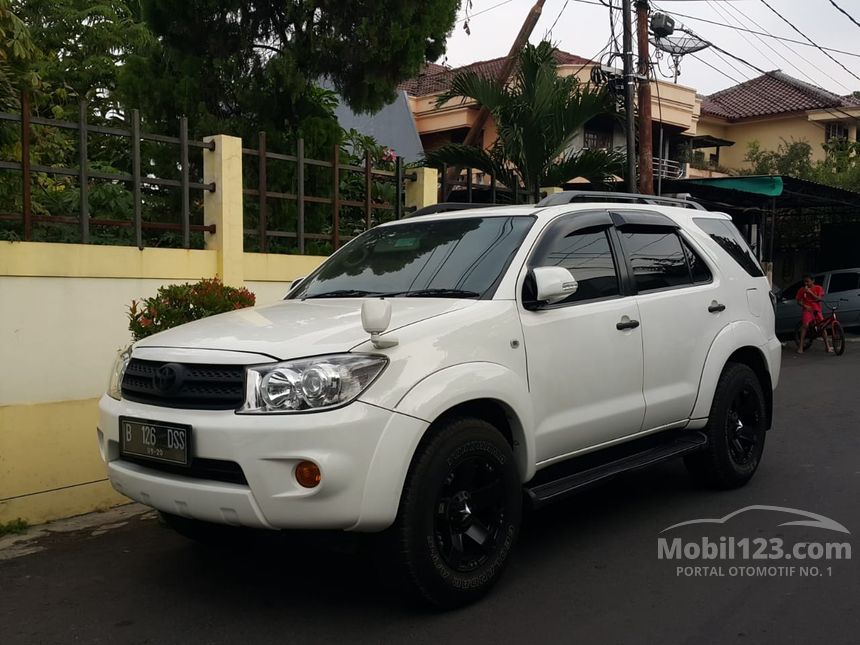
{"x":669,"y":169}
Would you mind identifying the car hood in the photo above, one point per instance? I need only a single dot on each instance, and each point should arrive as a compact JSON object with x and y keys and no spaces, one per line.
{"x":296,"y":328}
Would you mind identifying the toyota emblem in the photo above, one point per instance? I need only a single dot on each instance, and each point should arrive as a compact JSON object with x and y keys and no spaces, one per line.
{"x":167,"y":378}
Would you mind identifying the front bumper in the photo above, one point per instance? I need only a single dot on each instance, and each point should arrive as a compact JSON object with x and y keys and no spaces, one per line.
{"x":363,"y":452}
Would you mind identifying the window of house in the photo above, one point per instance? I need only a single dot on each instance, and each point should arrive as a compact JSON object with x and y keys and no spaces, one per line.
{"x":835,"y":130}
{"x":597,"y":140}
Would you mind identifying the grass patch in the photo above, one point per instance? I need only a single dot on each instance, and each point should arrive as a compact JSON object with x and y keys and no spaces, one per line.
{"x":15,"y":526}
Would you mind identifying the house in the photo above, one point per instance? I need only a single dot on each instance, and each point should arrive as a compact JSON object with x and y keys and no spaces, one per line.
{"x":675,"y":108}
{"x":770,"y":108}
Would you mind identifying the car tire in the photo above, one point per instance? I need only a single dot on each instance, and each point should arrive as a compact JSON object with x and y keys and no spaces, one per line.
{"x":736,"y":431}
{"x":459,"y":513}
{"x":206,"y":533}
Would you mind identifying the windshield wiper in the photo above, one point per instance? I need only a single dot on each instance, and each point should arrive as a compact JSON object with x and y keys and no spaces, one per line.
{"x":344,"y":293}
{"x":439,"y":293}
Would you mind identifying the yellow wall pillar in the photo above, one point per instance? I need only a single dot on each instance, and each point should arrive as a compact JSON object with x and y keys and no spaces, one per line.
{"x":223,"y":208}
{"x":423,"y":190}
{"x":550,"y":190}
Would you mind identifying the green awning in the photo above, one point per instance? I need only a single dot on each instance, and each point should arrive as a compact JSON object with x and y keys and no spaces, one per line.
{"x":756,"y":185}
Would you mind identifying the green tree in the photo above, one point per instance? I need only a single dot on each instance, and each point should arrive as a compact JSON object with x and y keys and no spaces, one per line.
{"x":538,"y":115}
{"x":249,"y":65}
{"x":839,"y":168}
{"x":82,"y":47}
{"x":790,"y":158}
{"x":17,"y":53}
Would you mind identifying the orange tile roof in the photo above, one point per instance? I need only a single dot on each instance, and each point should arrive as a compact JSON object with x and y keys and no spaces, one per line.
{"x":771,"y":94}
{"x":437,"y":78}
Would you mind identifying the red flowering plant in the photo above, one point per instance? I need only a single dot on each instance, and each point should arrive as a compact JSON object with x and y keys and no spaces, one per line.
{"x":178,"y":304}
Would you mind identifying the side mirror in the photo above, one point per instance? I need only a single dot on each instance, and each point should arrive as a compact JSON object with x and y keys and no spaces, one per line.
{"x":553,"y":284}
{"x":375,"y":318}
{"x":296,"y":282}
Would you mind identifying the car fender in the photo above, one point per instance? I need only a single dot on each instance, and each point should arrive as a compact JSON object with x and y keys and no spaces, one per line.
{"x":442,"y":390}
{"x":730,"y":339}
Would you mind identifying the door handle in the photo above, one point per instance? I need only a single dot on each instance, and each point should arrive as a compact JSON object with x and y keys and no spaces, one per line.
{"x":627,"y":324}
{"x":716,"y":307}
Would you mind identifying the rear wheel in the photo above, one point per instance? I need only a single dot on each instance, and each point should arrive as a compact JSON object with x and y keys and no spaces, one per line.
{"x":736,"y":431}
{"x":807,"y":342}
{"x":459,"y":514}
{"x":838,"y":339}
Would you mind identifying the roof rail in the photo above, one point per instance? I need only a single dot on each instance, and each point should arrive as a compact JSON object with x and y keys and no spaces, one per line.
{"x":571,"y":196}
{"x":445,"y":207}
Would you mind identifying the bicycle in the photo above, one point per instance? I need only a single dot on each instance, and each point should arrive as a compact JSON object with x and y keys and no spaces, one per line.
{"x":829,"y":324}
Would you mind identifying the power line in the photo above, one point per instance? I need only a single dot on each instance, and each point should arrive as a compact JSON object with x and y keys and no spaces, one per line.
{"x":790,"y":24}
{"x":749,"y":31}
{"x":555,"y":22}
{"x":726,"y":16}
{"x":495,"y":6}
{"x":794,"y":52}
{"x":847,"y":15}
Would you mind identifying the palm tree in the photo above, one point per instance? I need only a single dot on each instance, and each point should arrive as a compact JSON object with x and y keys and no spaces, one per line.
{"x":537,"y":115}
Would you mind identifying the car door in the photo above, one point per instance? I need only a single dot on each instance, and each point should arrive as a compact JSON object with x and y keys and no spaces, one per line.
{"x":843,"y":290}
{"x":682,"y":306}
{"x":585,"y":353}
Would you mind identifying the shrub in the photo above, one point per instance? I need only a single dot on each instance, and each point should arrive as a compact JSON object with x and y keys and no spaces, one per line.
{"x":178,"y":304}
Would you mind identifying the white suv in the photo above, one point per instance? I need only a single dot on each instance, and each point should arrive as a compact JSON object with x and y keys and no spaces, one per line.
{"x":438,"y":372}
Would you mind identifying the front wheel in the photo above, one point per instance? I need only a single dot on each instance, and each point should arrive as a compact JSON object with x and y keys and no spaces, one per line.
{"x":736,"y":431}
{"x":459,"y":513}
{"x":838,"y":338}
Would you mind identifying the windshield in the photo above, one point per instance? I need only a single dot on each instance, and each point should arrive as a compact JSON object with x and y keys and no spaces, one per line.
{"x":448,"y":258}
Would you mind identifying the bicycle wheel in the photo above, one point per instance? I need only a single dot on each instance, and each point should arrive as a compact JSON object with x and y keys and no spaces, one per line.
{"x":807,"y":342}
{"x":838,"y":339}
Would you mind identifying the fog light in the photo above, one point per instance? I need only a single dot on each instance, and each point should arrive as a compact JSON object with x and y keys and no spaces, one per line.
{"x":308,"y":474}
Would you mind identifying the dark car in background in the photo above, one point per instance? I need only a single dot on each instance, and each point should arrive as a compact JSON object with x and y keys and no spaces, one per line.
{"x":841,"y":287}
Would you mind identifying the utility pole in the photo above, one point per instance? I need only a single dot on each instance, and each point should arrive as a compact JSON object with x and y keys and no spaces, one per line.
{"x":646,"y":144}
{"x":629,"y":92}
{"x":508,"y":67}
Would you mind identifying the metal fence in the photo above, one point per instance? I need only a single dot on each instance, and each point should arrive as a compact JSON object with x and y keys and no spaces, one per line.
{"x":139,"y":179}
{"x":469,"y":186}
{"x":300,"y":194}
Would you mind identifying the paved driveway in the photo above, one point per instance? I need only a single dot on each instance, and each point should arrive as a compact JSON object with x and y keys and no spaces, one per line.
{"x":586,"y":570}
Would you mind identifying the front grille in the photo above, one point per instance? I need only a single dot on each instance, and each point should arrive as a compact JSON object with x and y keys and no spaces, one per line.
{"x":184,"y":385}
{"x":211,"y":469}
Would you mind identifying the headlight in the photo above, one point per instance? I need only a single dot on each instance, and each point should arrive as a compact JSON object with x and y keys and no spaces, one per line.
{"x":114,"y":388}
{"x":309,"y":384}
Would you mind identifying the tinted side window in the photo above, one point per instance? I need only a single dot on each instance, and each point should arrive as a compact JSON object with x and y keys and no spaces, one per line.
{"x":698,"y":269}
{"x":843,"y":282}
{"x":656,"y":257}
{"x":790,"y":292}
{"x":588,"y":256}
{"x":724,"y":233}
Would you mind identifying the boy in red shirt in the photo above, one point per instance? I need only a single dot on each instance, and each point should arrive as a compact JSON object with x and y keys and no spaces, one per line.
{"x":810,"y":296}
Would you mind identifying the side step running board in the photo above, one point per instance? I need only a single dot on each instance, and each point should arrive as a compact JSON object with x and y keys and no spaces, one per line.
{"x":556,"y":489}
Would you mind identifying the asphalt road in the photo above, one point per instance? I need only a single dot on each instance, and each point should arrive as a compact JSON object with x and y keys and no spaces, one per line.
{"x":586,"y":570}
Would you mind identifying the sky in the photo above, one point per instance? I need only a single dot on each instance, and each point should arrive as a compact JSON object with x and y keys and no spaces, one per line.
{"x":582,"y":28}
